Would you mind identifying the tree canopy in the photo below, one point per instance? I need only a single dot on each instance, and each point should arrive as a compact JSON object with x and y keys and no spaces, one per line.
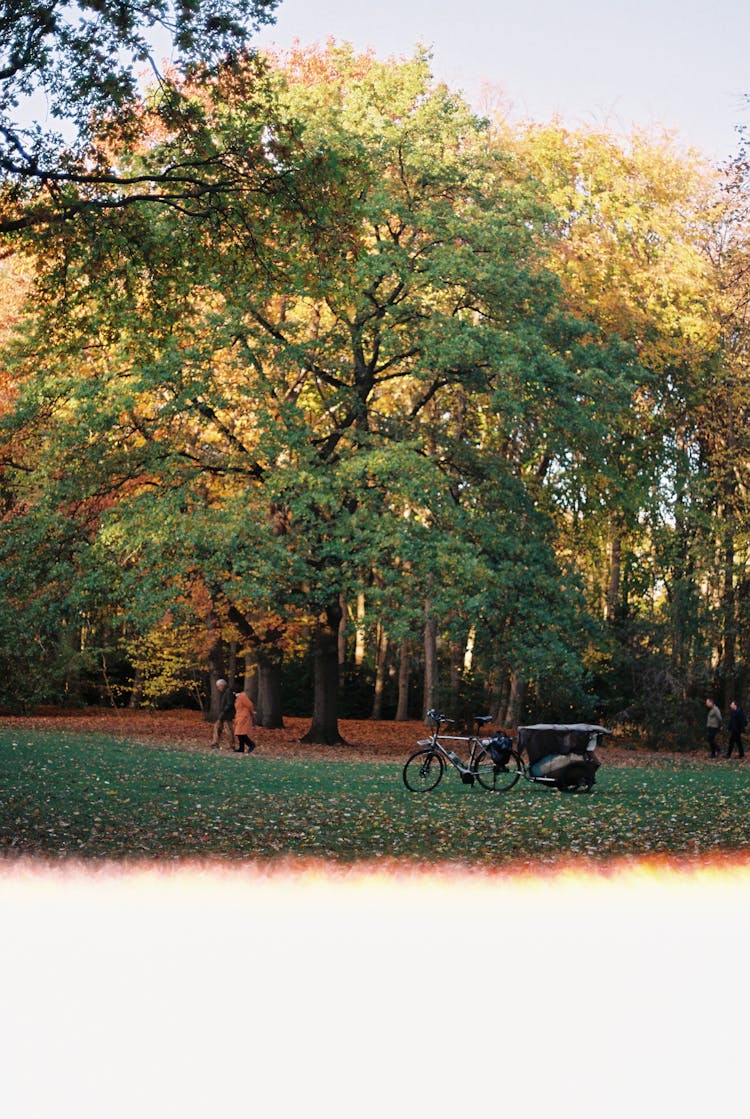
{"x":81,"y":66}
{"x":392,"y":379}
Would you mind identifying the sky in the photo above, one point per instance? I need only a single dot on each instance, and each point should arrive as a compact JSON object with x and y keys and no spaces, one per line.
{"x":679,"y":65}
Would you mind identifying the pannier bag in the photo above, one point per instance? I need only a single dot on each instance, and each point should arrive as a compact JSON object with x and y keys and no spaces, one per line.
{"x":500,"y":747}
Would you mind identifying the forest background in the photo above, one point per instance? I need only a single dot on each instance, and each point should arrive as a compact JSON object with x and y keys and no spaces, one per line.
{"x":316,"y":379}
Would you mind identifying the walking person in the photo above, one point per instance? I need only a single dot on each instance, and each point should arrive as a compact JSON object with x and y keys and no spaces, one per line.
{"x":713,"y":726}
{"x":737,"y":723}
{"x":243,"y":722}
{"x":225,"y":721}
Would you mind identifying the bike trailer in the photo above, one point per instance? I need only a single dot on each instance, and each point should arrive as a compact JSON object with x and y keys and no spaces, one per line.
{"x":562,"y":754}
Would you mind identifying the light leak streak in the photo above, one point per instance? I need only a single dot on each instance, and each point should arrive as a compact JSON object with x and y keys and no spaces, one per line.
{"x":200,"y":990}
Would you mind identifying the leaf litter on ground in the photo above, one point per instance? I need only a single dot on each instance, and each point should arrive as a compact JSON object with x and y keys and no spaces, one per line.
{"x":72,"y":793}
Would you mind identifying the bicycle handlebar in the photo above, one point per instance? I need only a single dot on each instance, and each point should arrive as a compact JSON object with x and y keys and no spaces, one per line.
{"x":435,"y":717}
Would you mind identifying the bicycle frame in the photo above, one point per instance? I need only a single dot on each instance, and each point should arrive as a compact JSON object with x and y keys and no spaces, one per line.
{"x":436,"y":742}
{"x":424,"y":769}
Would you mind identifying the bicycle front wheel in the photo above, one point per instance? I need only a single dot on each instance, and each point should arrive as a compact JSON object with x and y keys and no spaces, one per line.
{"x":423,"y":771}
{"x":497,"y":778}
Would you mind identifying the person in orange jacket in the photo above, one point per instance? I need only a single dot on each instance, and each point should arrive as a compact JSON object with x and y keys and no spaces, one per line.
{"x":243,"y":722}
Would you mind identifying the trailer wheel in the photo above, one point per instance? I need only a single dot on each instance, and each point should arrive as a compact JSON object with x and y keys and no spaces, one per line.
{"x":576,"y":779}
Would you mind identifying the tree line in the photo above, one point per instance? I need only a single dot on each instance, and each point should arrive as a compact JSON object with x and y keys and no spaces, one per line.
{"x":389,"y":405}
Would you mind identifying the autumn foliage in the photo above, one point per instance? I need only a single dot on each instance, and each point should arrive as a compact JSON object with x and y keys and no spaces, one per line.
{"x":392,"y":407}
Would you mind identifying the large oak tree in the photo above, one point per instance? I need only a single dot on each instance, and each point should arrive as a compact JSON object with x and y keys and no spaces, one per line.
{"x":349,"y":379}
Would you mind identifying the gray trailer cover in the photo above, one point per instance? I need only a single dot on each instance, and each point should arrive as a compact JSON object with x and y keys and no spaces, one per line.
{"x":542,"y":739}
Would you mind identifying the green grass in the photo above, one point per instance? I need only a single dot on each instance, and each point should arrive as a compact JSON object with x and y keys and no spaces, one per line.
{"x":90,"y":797}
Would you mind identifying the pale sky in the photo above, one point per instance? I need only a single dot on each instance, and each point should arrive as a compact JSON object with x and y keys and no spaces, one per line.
{"x":683,"y":65}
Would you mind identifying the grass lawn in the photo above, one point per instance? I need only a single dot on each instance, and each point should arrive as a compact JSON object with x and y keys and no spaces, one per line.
{"x":158,"y":965}
{"x":88,"y":796}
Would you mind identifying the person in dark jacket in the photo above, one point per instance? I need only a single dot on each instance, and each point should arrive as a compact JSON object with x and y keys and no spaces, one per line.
{"x":737,"y":723}
{"x":226,"y":714}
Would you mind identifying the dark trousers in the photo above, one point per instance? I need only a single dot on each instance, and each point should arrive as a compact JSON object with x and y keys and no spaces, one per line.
{"x":245,"y":743}
{"x":711,"y":733}
{"x":735,"y":739}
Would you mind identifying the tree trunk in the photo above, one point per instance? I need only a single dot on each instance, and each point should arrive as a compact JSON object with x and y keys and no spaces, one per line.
{"x":136,"y":692}
{"x":471,"y":641}
{"x":402,"y":710}
{"x":359,"y":641}
{"x":251,"y":677}
{"x":457,"y":660}
{"x":324,"y":729}
{"x":342,"y":634}
{"x":430,"y":665}
{"x":615,"y":568}
{"x":268,"y":709}
{"x":497,"y":689}
{"x":232,"y":667}
{"x":265,"y":686}
{"x":516,"y":701}
{"x":381,"y":663}
{"x":216,"y":667}
{"x":729,"y":615}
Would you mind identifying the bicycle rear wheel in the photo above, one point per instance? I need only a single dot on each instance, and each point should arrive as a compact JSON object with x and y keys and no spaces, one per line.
{"x":497,"y":778}
{"x":423,"y":771}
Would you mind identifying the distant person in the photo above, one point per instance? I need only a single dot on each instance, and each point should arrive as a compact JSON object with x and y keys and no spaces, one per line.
{"x":225,"y":720}
{"x":243,"y":722}
{"x":713,"y":726}
{"x":737,"y":723}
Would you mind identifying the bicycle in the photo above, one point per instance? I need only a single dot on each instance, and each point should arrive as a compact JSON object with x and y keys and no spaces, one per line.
{"x":492,"y":762}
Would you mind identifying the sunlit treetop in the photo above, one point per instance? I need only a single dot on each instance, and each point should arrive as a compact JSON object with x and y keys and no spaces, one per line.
{"x":74,"y":64}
